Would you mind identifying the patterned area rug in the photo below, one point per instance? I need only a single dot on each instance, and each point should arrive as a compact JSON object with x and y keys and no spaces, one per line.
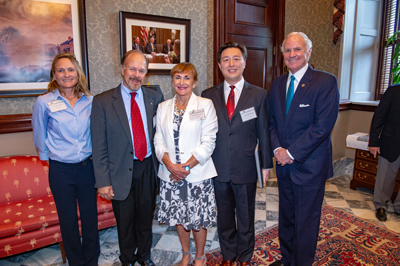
{"x":344,"y":239}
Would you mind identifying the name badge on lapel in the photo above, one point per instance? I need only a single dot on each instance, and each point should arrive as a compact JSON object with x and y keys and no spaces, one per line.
{"x":248,"y":114}
{"x":196,"y":115}
{"x":56,"y":106}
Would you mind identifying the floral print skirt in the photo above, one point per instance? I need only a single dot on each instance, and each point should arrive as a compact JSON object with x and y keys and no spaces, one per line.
{"x":189,"y":204}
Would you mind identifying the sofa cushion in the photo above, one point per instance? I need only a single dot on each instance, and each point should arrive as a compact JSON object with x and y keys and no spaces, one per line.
{"x":27,"y":215}
{"x":23,"y":178}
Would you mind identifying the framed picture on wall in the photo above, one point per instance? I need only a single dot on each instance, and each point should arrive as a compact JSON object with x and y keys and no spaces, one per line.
{"x":165,"y":41}
{"x":33,"y":32}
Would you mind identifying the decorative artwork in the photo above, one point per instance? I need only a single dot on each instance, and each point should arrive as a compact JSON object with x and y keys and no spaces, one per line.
{"x":165,"y":41}
{"x":32,"y":32}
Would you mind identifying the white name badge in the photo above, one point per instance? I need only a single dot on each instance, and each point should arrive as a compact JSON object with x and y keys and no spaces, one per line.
{"x":196,"y":115}
{"x":56,"y":106}
{"x":248,"y":114}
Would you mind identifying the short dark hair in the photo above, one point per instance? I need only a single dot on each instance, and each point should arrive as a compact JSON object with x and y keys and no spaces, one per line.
{"x":127,"y":54}
{"x":232,"y":44}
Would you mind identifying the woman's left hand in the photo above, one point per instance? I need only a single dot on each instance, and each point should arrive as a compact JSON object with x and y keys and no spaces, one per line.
{"x":178,"y":172}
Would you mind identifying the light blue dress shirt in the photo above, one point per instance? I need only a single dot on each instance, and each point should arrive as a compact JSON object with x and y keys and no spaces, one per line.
{"x":62,"y":136}
{"x":126,"y":96}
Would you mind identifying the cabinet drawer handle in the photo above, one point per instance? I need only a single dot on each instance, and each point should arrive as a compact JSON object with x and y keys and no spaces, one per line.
{"x":364,"y":155}
{"x":361,"y":177}
{"x":363,"y":166}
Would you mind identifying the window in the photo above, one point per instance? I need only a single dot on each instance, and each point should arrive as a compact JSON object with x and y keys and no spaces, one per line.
{"x":360,"y":50}
{"x":390,"y":26}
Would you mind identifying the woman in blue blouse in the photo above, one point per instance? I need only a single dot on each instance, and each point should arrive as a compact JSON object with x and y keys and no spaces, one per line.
{"x":61,"y":134}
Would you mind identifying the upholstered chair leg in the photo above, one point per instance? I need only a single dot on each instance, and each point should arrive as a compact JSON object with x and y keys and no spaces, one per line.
{"x":64,"y":257}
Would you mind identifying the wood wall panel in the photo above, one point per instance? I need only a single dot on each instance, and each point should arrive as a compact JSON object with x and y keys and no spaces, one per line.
{"x":254,"y":24}
{"x":250,"y":14}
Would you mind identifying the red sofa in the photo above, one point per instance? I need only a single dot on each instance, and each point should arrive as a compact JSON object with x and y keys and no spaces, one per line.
{"x":28,"y":214}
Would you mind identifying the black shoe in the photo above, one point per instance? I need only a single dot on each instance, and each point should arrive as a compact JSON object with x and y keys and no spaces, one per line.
{"x":381,"y":214}
{"x":276,"y":263}
{"x":147,"y":263}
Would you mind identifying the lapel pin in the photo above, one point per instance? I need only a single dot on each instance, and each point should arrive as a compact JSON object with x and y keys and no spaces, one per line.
{"x":303,"y":85}
{"x":151,"y":103}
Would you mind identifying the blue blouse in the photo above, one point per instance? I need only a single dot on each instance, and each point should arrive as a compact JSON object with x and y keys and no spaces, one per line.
{"x":62,"y":136}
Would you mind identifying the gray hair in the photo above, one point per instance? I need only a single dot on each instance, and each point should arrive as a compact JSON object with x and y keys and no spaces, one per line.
{"x":306,"y":40}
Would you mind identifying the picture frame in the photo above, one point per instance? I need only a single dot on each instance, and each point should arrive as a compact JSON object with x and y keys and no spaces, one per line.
{"x":163,"y":29}
{"x":78,"y":41}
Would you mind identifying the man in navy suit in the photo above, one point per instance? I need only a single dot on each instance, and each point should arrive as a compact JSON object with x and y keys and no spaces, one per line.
{"x":167,"y":47}
{"x":136,"y":45}
{"x":151,"y":47}
{"x":243,"y":115}
{"x":303,"y":112}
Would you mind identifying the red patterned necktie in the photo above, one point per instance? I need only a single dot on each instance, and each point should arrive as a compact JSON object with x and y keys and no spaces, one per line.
{"x":230,"y":105}
{"x":139,"y":138}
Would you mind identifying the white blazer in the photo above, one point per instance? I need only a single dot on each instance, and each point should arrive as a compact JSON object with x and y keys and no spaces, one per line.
{"x":196,"y":138}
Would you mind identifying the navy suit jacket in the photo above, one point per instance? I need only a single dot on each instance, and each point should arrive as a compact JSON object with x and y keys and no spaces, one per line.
{"x":233,"y":155}
{"x":148,"y":49}
{"x":165,"y":48}
{"x":385,"y":125}
{"x":305,"y":130}
{"x":112,"y":141}
{"x":134,"y":47}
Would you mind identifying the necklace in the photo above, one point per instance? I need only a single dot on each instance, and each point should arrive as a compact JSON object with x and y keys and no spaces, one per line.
{"x":71,"y":98}
{"x":179,"y":112}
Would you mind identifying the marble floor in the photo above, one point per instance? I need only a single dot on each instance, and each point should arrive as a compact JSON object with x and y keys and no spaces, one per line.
{"x":166,"y":247}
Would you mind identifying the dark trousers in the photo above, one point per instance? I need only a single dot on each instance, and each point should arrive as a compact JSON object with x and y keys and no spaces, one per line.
{"x":72,"y":183}
{"x":299,"y":219}
{"x":236,"y":210}
{"x":134,"y":215}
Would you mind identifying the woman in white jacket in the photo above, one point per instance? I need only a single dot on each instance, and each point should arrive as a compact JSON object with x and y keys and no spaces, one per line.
{"x":184,"y":142}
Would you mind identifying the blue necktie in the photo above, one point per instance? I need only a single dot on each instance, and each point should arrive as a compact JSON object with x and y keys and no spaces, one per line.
{"x":290,"y":93}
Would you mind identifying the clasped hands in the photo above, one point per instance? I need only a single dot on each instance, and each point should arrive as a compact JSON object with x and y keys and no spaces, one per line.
{"x":178,"y":172}
{"x":282,"y":157}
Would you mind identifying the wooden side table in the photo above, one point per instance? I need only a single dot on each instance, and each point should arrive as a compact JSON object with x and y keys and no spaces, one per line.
{"x":365,"y":169}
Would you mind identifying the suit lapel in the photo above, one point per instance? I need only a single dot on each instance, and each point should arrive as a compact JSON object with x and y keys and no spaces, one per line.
{"x":119,"y":107}
{"x":170,"y":119}
{"x":192,"y":105}
{"x":244,"y":97}
{"x":302,"y":87}
{"x":148,"y":103}
{"x":282,"y":96}
{"x":220,"y":102}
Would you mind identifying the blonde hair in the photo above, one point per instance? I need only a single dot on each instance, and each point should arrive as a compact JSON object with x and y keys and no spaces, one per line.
{"x":81,"y":86}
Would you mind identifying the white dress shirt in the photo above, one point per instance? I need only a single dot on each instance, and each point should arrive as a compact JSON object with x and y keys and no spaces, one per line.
{"x":238,"y":90}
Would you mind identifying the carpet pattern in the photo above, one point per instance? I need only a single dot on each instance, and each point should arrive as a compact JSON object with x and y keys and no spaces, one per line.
{"x":344,"y":239}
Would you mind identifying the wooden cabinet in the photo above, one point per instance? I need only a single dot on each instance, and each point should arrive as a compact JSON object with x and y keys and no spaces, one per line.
{"x":365,"y":169}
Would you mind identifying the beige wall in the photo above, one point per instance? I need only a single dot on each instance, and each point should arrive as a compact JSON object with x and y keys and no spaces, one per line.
{"x":17,"y":144}
{"x":339,"y":134}
{"x":349,"y":122}
{"x":359,"y":122}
